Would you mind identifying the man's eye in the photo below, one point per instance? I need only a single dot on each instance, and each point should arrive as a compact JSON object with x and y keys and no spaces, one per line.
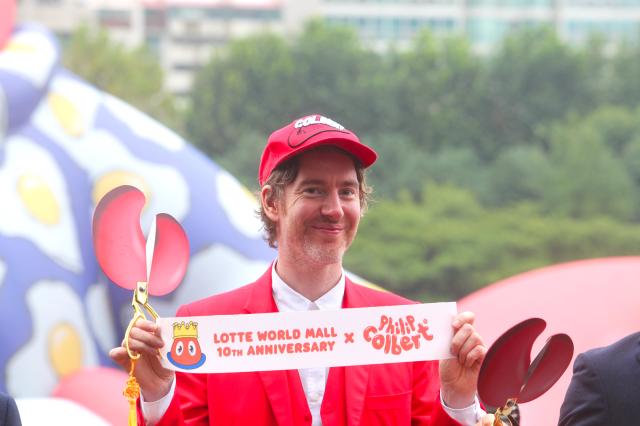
{"x":312,"y":191}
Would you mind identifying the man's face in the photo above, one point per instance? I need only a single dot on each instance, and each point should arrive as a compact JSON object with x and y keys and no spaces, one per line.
{"x":319,"y":213}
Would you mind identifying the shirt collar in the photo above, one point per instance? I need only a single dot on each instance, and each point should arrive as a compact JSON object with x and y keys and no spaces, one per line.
{"x":287,"y":299}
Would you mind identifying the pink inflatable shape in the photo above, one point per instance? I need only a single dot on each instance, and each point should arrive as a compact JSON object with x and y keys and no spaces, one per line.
{"x":170,"y":256}
{"x":507,"y":372}
{"x":120,"y":244}
{"x":99,"y":390}
{"x":7,"y":17}
{"x":594,"y":301}
{"x":117,"y":237}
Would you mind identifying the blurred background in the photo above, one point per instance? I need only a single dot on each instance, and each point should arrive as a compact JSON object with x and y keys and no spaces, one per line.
{"x":508,"y":134}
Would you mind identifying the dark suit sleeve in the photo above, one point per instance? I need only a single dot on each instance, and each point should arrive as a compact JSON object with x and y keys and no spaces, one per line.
{"x":585,"y":403}
{"x":9,"y":415}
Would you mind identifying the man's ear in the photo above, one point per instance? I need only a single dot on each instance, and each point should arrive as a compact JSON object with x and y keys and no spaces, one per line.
{"x":270,"y":205}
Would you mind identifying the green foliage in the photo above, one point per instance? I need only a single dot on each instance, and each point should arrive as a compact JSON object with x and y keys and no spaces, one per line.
{"x":532,"y":80}
{"x":436,"y":86}
{"x":263,"y":80}
{"x":520,"y":173}
{"x":587,"y":180}
{"x":624,"y":85}
{"x":132,"y":75}
{"x":448,"y":245}
{"x":487,"y":166}
{"x":243,"y":90}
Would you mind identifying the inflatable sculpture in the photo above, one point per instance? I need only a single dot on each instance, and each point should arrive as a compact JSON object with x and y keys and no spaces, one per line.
{"x":63,"y":145}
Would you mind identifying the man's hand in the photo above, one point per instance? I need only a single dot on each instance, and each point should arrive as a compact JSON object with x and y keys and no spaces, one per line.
{"x":154,"y":380}
{"x":487,"y":420}
{"x":459,"y":375}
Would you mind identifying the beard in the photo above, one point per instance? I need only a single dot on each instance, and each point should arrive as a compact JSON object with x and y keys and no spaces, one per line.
{"x":323,"y":254}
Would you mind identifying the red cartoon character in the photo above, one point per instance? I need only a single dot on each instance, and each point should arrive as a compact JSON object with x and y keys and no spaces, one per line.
{"x":185,"y":351}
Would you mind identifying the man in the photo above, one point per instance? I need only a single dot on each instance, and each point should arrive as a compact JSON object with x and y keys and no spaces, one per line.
{"x":313,"y":193}
{"x":605,"y":387}
{"x":9,"y":415}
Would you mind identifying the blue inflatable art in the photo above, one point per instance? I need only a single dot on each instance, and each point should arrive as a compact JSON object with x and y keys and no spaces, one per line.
{"x":63,"y":145}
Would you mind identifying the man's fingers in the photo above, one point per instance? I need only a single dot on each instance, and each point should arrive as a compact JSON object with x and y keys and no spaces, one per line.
{"x":460,"y":337}
{"x":475,"y":356}
{"x":119,"y":356}
{"x":472,"y":349}
{"x":145,"y":337}
{"x":148,"y":326}
{"x":487,"y":420}
{"x":462,"y":318}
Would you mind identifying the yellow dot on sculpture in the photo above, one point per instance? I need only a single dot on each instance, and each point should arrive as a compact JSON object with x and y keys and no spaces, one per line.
{"x":67,"y":114}
{"x":114,"y":179}
{"x":20,"y":47}
{"x":39,"y":199}
{"x":250,"y":196}
{"x":65,"y":349}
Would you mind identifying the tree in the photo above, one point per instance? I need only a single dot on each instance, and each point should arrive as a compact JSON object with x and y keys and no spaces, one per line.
{"x":436,"y":87}
{"x":245,"y":89}
{"x":533,"y":80}
{"x":133,"y":75}
{"x":262,"y":81}
{"x":587,"y":179}
{"x":447,"y":245}
{"x":519,"y":173}
{"x":624,"y":87}
{"x":336,"y":76}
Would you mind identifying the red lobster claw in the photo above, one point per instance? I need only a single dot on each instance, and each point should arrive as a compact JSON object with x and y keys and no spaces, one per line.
{"x":507,"y":372}
{"x":170,"y":256}
{"x":120,"y":244}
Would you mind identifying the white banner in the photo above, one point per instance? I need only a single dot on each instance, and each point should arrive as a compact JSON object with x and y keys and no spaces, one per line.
{"x":293,"y":340}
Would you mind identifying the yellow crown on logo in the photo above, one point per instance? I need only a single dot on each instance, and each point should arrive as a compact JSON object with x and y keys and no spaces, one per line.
{"x":190,"y":329}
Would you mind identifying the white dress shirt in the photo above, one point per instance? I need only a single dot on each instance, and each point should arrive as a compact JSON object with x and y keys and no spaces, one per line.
{"x":287,"y":300}
{"x":313,"y":379}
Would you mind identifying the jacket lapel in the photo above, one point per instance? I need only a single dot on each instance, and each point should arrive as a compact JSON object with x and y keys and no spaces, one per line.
{"x":283,"y":387}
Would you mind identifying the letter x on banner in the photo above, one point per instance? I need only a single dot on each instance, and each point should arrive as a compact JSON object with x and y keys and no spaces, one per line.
{"x":292,"y":340}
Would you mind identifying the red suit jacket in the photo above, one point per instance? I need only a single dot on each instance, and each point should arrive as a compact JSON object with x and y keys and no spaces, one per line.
{"x":385,"y":394}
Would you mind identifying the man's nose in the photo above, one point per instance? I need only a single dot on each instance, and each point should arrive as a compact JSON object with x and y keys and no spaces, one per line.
{"x":332,"y":206}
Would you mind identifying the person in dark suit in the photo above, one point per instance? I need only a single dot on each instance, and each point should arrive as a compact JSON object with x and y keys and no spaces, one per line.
{"x":605,"y":387}
{"x":9,"y":415}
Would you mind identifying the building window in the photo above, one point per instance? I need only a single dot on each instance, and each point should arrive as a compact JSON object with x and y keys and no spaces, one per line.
{"x":114,"y":18}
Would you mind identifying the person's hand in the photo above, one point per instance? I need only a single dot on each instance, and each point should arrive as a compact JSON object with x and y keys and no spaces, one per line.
{"x":459,"y":375}
{"x":488,"y":420}
{"x":154,"y":380}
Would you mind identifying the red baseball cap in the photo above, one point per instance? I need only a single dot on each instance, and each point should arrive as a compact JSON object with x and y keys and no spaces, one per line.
{"x":309,"y":132}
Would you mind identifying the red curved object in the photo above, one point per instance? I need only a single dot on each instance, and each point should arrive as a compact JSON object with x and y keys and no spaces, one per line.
{"x":549,"y":365}
{"x":505,"y":366}
{"x":594,"y":301}
{"x":117,"y":237}
{"x":507,"y":372}
{"x":170,"y":256}
{"x":7,"y":17}
{"x":99,"y":389}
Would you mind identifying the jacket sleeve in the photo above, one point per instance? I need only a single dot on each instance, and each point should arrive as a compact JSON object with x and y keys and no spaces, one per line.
{"x":585,"y":403}
{"x":9,"y":414}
